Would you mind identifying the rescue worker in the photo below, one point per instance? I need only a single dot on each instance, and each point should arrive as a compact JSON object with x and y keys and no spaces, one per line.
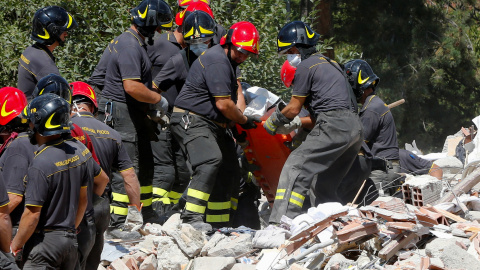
{"x":49,"y":30}
{"x":334,"y":142}
{"x":56,"y":188}
{"x":126,"y":100}
{"x":199,"y":120}
{"x":378,"y":126}
{"x":198,"y":29}
{"x":12,"y":102}
{"x":171,"y":174}
{"x":112,"y":156}
{"x":7,"y":262}
{"x":412,"y":164}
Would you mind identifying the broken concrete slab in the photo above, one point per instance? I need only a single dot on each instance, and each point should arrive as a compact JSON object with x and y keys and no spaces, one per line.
{"x":339,"y":262}
{"x":118,"y":264}
{"x":150,"y":263}
{"x":217,"y":237}
{"x":232,"y":246}
{"x":269,"y":238}
{"x":169,"y":256}
{"x":189,"y":240}
{"x":153,"y":228}
{"x":435,"y":248}
{"x":454,"y":257}
{"x":173,"y":223}
{"x":242,"y":266}
{"x":213,"y":263}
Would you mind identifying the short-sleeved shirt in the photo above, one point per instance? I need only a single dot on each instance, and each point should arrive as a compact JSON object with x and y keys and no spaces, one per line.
{"x":413,"y":164}
{"x":219,"y":33}
{"x":4,"y":201}
{"x":129,"y":61}
{"x":210,"y":76}
{"x":379,"y":128}
{"x":35,"y":63}
{"x":14,"y":163}
{"x":107,"y":141}
{"x":162,"y":49}
{"x":98,"y":75}
{"x":323,"y":85}
{"x":59,"y":170}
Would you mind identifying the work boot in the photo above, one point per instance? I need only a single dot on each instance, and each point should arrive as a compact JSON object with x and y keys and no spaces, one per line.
{"x":120,"y":232}
{"x":196,"y":221}
{"x":150,"y":216}
{"x":201,"y":226}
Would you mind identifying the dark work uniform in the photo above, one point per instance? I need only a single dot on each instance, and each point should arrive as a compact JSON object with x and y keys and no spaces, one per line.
{"x":35,"y":63}
{"x":14,"y":164}
{"x":58,"y":172}
{"x":329,"y":149}
{"x":200,"y":128}
{"x":381,"y":137}
{"x":98,"y":76}
{"x":219,"y":33}
{"x":7,"y":262}
{"x":129,"y":61}
{"x":112,"y":155}
{"x":171,"y":175}
{"x":413,"y":164}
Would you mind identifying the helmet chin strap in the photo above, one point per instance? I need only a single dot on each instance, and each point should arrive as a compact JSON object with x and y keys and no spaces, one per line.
{"x":77,"y":108}
{"x":229,"y":55}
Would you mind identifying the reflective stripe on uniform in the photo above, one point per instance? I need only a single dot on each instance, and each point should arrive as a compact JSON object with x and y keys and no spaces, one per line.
{"x":118,"y":197}
{"x":146,"y":202}
{"x":198,"y":194}
{"x":280,"y":194}
{"x":218,"y":218}
{"x":122,"y":211}
{"x":146,"y":189}
{"x":163,"y":200}
{"x":174,"y":195}
{"x":195,"y":208}
{"x":160,"y":192}
{"x":234,"y":203}
{"x":219,"y":205}
{"x":297,"y":198}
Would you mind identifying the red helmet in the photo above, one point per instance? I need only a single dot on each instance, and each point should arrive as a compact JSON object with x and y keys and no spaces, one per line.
{"x":12,"y":102}
{"x":287,"y":73}
{"x":193,"y":6}
{"x":185,"y":3}
{"x":84,"y":90}
{"x":244,"y":36}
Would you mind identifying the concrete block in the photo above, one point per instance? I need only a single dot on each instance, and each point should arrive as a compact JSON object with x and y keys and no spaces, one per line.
{"x":216,"y":238}
{"x":241,"y":266}
{"x":421,"y":190}
{"x":213,"y":263}
{"x":269,"y":238}
{"x":189,"y":240}
{"x":173,"y":223}
{"x":475,"y":215}
{"x":149,"y":242}
{"x":169,"y":256}
{"x":339,"y":262}
{"x":449,"y":165}
{"x":454,"y":257}
{"x":150,"y":263}
{"x":435,"y":248}
{"x":118,"y":264}
{"x":232,"y":246}
{"x":153,"y":228}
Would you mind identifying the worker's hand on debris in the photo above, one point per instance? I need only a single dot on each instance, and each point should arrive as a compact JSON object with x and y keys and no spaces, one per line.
{"x":287,"y":128}
{"x":275,"y":120}
{"x":251,"y":120}
{"x":134,"y":220}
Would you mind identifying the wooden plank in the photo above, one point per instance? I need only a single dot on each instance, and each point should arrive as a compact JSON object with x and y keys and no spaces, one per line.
{"x":449,"y":215}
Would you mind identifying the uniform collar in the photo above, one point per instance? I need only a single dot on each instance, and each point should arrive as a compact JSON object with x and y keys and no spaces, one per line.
{"x":367,"y":101}
{"x":44,"y":48}
{"x":137,"y":36}
{"x":43,"y":147}
{"x":171,"y":38}
{"x":83,"y":114}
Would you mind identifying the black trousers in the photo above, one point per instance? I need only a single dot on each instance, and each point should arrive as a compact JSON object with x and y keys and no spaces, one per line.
{"x":328,"y":152}
{"x":85,"y":240}
{"x":7,"y":261}
{"x":212,"y":195}
{"x":51,"y":250}
{"x":137,"y":132}
{"x":101,"y":207}
{"x":352,"y":182}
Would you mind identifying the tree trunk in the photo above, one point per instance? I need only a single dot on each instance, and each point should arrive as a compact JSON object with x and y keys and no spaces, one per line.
{"x":324,"y":24}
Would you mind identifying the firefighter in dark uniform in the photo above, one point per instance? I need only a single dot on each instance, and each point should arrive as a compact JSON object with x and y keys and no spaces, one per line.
{"x":126,"y":100}
{"x":202,"y":110}
{"x":50,"y":27}
{"x":378,"y":127}
{"x":7,"y":261}
{"x":412,"y":164}
{"x":56,"y":188}
{"x":112,"y":155}
{"x":12,"y":103}
{"x":334,"y":142}
{"x":175,"y":174}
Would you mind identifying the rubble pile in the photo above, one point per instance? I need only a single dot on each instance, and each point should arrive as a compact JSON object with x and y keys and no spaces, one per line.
{"x":431,"y":224}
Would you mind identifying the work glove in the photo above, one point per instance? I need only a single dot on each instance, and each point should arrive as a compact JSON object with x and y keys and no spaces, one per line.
{"x":134,"y":220}
{"x":287,"y":128}
{"x":275,"y":120}
{"x":298,"y":139}
{"x":162,"y":107}
{"x":240,"y":138}
{"x":251,"y":120}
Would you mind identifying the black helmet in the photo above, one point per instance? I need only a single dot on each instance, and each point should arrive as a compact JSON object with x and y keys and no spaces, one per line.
{"x":49,"y":23}
{"x":151,"y":14}
{"x":50,"y":115}
{"x":198,"y":27}
{"x":55,"y":84}
{"x":361,"y":76}
{"x":294,"y":33}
